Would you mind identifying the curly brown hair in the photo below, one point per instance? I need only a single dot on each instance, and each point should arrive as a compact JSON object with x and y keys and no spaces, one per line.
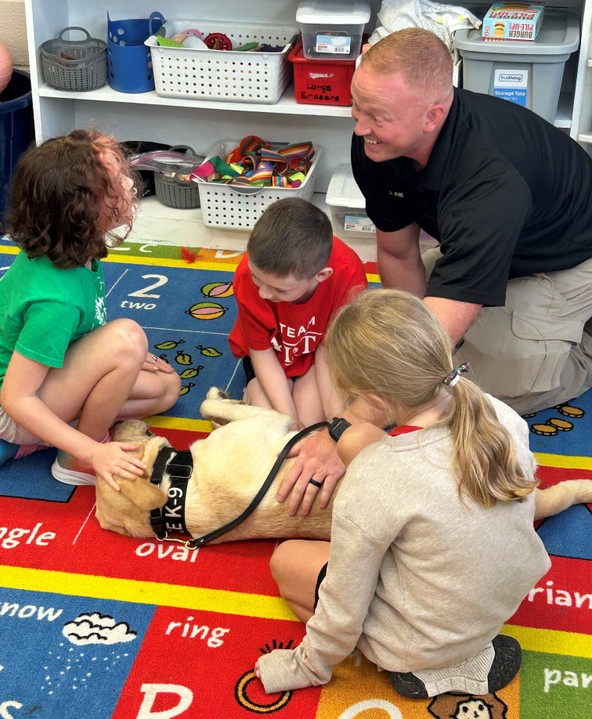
{"x":67,"y":197}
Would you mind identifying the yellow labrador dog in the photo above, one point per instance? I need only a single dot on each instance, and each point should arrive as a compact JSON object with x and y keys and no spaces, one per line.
{"x":199,"y":491}
{"x":229,"y":467}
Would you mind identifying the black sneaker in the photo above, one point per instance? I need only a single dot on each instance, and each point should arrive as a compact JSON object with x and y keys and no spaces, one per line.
{"x":408,"y":685}
{"x":505,"y":666}
{"x":507,"y":661}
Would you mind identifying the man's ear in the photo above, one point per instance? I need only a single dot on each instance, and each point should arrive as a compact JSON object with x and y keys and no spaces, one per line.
{"x":324,"y":274}
{"x":435,"y":117}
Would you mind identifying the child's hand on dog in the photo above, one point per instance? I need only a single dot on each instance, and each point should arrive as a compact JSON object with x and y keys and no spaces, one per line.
{"x":115,"y":458}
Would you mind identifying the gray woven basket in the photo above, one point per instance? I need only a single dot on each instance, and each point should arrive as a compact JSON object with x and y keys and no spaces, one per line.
{"x":78,"y":65}
{"x":173,"y":193}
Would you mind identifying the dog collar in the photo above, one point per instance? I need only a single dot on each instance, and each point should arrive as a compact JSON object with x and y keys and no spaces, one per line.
{"x":179,"y":467}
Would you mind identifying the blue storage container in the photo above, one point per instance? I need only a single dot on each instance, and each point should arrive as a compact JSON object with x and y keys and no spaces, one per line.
{"x":129,"y":60}
{"x":16,"y":128}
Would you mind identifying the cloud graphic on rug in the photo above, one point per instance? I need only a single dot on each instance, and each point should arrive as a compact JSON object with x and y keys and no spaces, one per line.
{"x":75,"y":668}
{"x":97,"y":628}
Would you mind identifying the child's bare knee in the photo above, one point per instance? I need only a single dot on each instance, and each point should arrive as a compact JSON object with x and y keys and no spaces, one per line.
{"x":172,"y":390}
{"x":126,"y":336}
{"x":277,"y":563}
{"x":281,"y":563}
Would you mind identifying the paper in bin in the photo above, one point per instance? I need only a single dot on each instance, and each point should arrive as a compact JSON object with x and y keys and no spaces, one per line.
{"x":442,"y":20}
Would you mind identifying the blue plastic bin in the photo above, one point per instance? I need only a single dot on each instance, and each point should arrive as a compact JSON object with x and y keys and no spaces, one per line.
{"x":16,"y":128}
{"x":129,"y":62}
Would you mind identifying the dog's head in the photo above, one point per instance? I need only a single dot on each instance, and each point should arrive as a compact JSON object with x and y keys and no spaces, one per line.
{"x":128,"y":511}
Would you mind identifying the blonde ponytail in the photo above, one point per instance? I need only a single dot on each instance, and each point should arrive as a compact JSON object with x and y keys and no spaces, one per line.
{"x":484,"y":459}
{"x":387,"y":344}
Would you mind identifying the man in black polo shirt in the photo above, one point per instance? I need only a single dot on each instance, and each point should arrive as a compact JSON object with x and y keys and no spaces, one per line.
{"x":508,"y":197}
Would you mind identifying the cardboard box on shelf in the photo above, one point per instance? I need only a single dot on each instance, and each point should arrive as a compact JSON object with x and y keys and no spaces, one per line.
{"x":513,"y":21}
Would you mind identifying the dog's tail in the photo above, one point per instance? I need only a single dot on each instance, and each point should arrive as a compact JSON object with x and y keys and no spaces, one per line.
{"x":560,"y":496}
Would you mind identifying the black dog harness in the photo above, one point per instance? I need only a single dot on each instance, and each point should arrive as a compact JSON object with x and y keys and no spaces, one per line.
{"x":179,"y":466}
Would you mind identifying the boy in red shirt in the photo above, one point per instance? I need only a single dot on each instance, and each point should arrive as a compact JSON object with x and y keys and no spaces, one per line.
{"x":289,"y":283}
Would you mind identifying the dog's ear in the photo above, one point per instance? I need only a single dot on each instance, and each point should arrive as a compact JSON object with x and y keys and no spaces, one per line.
{"x":145,"y":495}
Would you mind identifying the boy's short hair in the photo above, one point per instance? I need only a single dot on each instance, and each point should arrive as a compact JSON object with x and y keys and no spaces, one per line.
{"x":292,"y":237}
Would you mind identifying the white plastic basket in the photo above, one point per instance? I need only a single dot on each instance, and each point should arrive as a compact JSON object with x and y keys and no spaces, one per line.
{"x":238,"y":207}
{"x":227,"y":75}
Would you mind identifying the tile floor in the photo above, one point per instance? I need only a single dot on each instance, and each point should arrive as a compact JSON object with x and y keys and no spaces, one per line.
{"x":157,"y":223}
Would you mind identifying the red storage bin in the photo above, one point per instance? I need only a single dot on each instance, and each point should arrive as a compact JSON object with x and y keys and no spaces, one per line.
{"x":321,"y":82}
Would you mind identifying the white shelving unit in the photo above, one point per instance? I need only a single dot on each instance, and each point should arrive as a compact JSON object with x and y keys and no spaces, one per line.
{"x":147,"y":116}
{"x":582,"y":107}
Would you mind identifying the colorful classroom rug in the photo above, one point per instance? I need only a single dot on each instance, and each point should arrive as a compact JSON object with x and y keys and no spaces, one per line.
{"x":96,"y":625}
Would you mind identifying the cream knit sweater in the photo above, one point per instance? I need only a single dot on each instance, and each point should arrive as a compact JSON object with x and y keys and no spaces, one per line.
{"x":417,"y":578}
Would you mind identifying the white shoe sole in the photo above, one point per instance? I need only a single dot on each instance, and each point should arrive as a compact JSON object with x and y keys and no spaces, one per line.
{"x":69,"y":476}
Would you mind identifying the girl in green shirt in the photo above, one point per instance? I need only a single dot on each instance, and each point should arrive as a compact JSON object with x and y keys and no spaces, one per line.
{"x":66,"y":374}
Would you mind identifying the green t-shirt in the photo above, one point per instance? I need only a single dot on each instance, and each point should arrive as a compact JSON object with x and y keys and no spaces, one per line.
{"x":43,"y":309}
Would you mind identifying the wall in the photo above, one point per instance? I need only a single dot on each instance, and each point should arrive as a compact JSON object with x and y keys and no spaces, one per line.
{"x":13,"y":31}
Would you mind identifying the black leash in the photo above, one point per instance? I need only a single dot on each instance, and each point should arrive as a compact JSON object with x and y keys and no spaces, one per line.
{"x":207,"y":538}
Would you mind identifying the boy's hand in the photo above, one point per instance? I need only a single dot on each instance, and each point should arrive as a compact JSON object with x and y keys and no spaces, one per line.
{"x":317,"y":460}
{"x":116,"y":458}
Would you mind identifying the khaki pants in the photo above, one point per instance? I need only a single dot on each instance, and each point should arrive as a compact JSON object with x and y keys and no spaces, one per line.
{"x":534,"y":352}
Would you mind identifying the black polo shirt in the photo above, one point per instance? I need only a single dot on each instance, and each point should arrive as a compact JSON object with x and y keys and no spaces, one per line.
{"x":504,"y":192}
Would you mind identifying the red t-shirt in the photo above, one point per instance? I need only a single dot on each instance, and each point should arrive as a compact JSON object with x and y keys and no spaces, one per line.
{"x":293,"y":330}
{"x":403,"y":429}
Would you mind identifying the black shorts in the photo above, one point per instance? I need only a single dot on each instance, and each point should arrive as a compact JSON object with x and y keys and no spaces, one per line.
{"x":250,"y":372}
{"x":248,"y":368}
{"x":320,"y":578}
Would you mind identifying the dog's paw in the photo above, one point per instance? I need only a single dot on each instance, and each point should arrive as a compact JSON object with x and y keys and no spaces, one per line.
{"x":217,"y":393}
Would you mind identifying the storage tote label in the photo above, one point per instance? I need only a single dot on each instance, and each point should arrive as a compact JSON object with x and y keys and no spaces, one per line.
{"x":511,"y":85}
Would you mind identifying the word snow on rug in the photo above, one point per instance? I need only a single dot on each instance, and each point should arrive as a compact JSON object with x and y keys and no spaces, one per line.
{"x":97,"y":625}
